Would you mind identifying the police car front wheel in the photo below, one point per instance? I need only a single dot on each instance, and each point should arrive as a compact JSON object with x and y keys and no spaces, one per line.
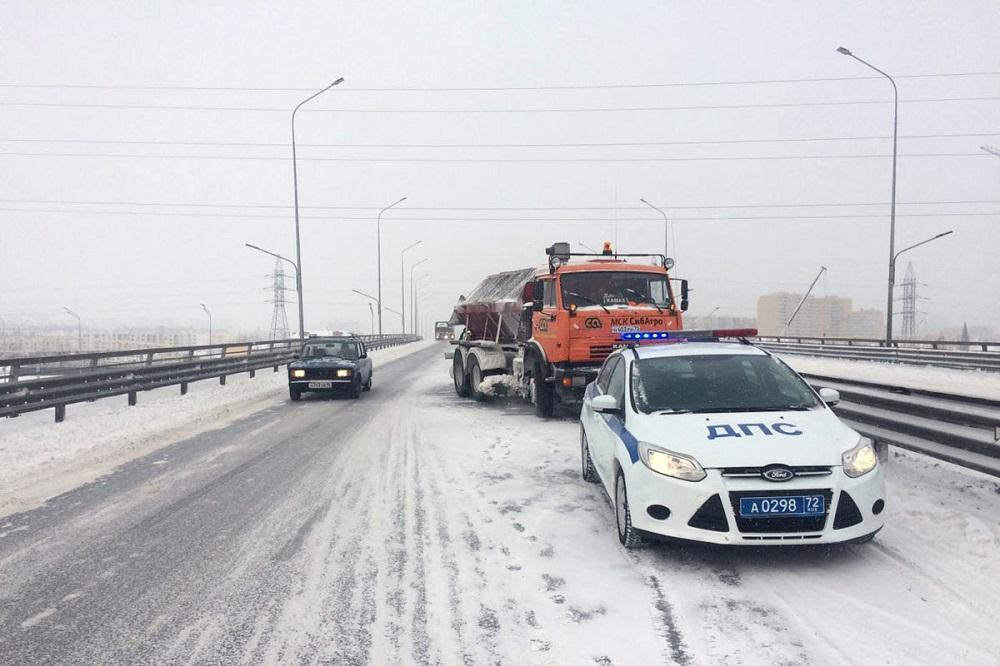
{"x":627,"y":534}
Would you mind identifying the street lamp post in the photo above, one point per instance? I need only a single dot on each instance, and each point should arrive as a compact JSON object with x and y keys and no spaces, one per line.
{"x":371,"y":311}
{"x":923,"y":242}
{"x":297,"y":276}
{"x":295,"y":187}
{"x":79,"y":328}
{"x":892,"y":209}
{"x":416,"y":300}
{"x":413,"y":319}
{"x":209,"y":322}
{"x":666,"y":223}
{"x":378,"y":243}
{"x":402,"y":279}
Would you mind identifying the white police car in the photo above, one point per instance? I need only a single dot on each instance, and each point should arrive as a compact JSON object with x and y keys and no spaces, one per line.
{"x":722,"y":442}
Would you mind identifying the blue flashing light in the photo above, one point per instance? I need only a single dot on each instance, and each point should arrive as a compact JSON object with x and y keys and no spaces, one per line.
{"x":647,"y":335}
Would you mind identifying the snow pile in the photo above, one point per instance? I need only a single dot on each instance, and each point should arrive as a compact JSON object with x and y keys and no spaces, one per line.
{"x":40,"y":459}
{"x":496,"y":386}
{"x":973,"y":383}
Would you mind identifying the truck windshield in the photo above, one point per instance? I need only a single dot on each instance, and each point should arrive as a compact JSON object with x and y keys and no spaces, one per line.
{"x":614,"y":288}
{"x":337,"y":349}
{"x":717,"y":383}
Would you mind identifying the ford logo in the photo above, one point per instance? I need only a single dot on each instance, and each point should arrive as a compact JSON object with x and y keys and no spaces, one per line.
{"x":777,"y":473}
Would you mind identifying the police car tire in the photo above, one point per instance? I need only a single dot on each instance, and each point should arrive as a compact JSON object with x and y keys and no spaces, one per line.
{"x":461,"y":379}
{"x":294,"y":393}
{"x":588,"y":472}
{"x":626,"y":532}
{"x":544,"y":393}
{"x":475,"y":377}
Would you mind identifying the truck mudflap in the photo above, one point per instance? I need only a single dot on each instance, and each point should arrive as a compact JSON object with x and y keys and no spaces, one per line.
{"x":571,"y":381}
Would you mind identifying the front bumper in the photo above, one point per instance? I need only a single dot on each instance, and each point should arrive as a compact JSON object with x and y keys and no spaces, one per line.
{"x":571,"y":381}
{"x":708,"y":510}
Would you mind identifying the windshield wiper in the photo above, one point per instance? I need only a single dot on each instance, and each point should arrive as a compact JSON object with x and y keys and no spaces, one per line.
{"x":642,"y":299}
{"x":783,"y":408}
{"x":588,"y":299}
{"x":672,"y":411}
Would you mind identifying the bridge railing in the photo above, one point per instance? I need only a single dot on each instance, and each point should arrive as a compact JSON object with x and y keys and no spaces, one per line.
{"x":54,"y":381}
{"x":938,"y":353}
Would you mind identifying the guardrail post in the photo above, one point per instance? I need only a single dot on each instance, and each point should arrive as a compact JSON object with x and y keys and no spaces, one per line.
{"x":15,"y":369}
{"x":184,"y":388}
{"x":149,"y":358}
{"x":253,"y":373}
{"x":222,"y":380}
{"x":60,"y":413}
{"x":132,"y":397}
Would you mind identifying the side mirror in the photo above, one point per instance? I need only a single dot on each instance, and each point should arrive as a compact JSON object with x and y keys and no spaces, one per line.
{"x":295,"y":356}
{"x":605,"y":404}
{"x":684,"y":295}
{"x":830,"y":396}
{"x":536,"y":306}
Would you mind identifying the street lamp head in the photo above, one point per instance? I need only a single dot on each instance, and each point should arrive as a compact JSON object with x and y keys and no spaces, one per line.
{"x":942,"y":235}
{"x":841,"y":49}
{"x":644,"y":201}
{"x":337,"y":82}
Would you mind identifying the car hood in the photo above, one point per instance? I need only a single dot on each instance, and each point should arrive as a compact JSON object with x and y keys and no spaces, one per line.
{"x":323,"y":362}
{"x":749,"y":439}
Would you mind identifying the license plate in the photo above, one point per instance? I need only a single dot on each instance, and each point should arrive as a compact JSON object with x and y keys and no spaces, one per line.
{"x":790,"y":505}
{"x":320,"y":385}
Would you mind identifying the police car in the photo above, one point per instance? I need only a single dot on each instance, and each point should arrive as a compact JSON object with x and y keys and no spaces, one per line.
{"x":698,"y":438}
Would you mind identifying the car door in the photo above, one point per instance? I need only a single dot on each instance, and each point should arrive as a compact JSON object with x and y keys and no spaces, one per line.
{"x":601,"y":435}
{"x":364,"y":364}
{"x":613,"y":424}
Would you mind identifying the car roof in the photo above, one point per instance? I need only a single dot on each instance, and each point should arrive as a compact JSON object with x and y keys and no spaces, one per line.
{"x":697,"y":349}
{"x":333,"y":338}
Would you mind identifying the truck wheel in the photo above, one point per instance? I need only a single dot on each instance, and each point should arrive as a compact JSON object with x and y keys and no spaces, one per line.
{"x":623,"y":515}
{"x":294,"y":393}
{"x":475,"y":379}
{"x":461,"y":379}
{"x":544,"y":393}
{"x":588,"y":472}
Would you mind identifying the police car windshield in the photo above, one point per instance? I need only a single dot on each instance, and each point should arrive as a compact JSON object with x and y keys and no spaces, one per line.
{"x":609,"y":288}
{"x":717,"y":383}
{"x":336,"y":349}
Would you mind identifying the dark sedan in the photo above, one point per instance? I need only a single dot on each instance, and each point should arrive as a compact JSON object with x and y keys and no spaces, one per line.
{"x":331,"y":364}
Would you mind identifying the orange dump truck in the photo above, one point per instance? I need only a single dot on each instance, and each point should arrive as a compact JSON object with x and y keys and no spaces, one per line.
{"x":547,"y":330}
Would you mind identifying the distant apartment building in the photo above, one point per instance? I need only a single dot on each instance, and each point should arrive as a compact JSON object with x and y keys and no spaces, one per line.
{"x":36,"y":342}
{"x":827,"y":316}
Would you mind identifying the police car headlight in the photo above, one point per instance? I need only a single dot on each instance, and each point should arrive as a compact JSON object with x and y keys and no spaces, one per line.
{"x":343,"y":373}
{"x":671,"y":464}
{"x":298,"y":373}
{"x":861,"y":459}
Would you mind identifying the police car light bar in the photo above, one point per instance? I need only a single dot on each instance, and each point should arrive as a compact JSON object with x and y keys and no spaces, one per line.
{"x":644,"y":336}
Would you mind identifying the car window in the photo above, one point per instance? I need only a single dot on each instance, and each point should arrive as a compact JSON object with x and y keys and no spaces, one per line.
{"x":616,"y":386}
{"x":549,"y":293}
{"x":605,"y":375}
{"x":335,"y":348}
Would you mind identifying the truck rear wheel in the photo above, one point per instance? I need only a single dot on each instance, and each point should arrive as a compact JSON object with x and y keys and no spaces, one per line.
{"x":544,"y":393}
{"x":475,"y":379}
{"x":461,"y":379}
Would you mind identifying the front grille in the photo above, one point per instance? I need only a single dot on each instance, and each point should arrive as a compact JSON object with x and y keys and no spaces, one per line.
{"x":710,"y":516}
{"x":800,"y":470}
{"x":848,"y":513}
{"x":322,"y":373}
{"x":600,"y":352}
{"x":780,"y":523}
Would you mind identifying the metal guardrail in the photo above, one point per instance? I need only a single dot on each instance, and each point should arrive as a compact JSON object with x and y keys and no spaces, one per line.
{"x":47,"y":382}
{"x":938,"y":353}
{"x":959,"y":429}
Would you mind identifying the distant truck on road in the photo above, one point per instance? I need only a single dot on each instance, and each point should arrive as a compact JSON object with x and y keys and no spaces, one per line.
{"x":443,"y":331}
{"x":549,"y":329}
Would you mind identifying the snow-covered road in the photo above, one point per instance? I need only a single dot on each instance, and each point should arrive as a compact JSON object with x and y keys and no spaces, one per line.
{"x":414,"y":527}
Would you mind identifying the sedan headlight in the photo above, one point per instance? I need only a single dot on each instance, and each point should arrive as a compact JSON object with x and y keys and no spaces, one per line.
{"x":298,"y":373}
{"x":671,"y":464}
{"x":343,"y":373}
{"x":861,"y":459}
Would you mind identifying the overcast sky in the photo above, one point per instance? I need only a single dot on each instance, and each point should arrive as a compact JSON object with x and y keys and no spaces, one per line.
{"x":103,"y":249}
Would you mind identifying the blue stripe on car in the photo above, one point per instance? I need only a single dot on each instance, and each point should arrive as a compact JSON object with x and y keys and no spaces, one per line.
{"x":627,"y":438}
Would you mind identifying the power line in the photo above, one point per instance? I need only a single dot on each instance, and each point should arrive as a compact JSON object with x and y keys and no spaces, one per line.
{"x":491,"y":219}
{"x":593,"y":144}
{"x":607,"y":86}
{"x":487,"y":160}
{"x":701,"y":107}
{"x":487,"y":208}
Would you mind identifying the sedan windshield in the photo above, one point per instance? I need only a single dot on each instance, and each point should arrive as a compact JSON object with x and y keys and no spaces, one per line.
{"x":337,"y":349}
{"x":614,"y":288}
{"x":717,"y":383}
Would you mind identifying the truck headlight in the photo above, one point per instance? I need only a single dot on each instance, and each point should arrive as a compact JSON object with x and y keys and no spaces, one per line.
{"x":861,"y":459}
{"x":298,"y":373}
{"x":671,"y":464}
{"x":343,"y":373}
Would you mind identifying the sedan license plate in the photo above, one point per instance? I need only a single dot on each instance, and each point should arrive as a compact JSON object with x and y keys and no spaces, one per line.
{"x":790,"y":505}
{"x":320,"y":385}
